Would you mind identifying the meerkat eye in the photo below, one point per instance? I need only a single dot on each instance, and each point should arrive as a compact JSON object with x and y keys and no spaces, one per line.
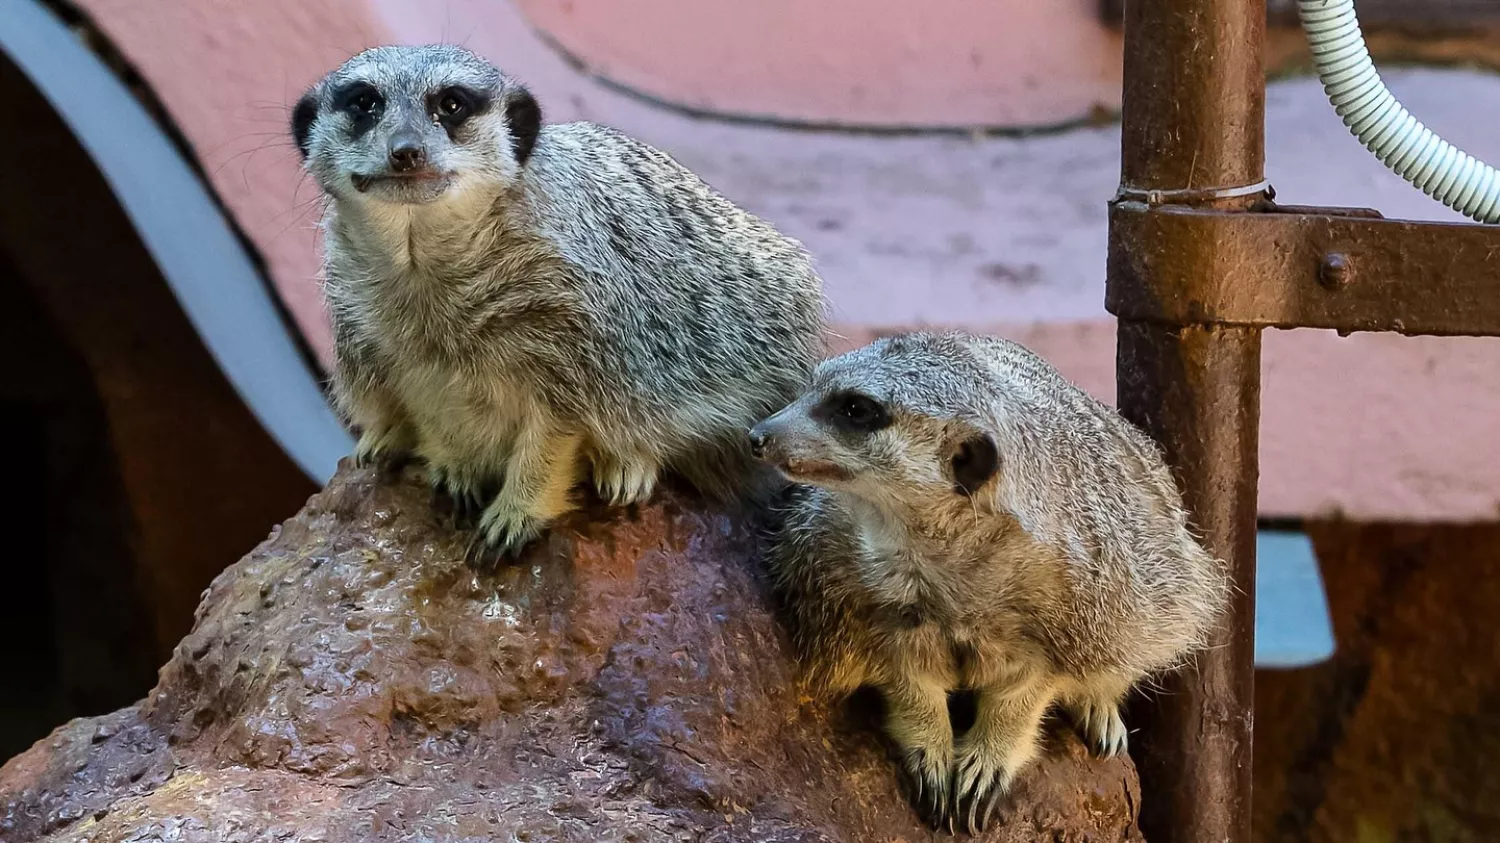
{"x":362,"y":101}
{"x":855,"y":412}
{"x":453,"y":106}
{"x":859,"y":410}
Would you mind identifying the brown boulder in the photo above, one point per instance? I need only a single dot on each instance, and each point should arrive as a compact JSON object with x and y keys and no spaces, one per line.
{"x":351,"y":680}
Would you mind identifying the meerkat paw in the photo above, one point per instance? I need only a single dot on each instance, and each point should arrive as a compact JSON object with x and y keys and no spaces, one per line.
{"x":385,"y":445}
{"x":927,"y":775}
{"x":503,"y":533}
{"x":1100,"y":725}
{"x":625,"y":481}
{"x":917,"y":723}
{"x":470,"y":493}
{"x":981,"y":778}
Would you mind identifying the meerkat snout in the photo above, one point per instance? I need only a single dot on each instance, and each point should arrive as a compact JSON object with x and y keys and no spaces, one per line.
{"x":768,"y":440}
{"x":757,"y":442}
{"x":408,"y":152}
{"x":792,"y":443}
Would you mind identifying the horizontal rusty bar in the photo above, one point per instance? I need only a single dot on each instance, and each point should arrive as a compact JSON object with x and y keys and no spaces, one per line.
{"x":1181,"y":266}
{"x":1321,"y":211}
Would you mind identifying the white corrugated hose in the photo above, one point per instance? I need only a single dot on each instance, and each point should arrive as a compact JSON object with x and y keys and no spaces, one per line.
{"x":1383,"y":125}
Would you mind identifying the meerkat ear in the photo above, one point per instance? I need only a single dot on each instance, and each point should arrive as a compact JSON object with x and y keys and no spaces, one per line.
{"x":975,"y":460}
{"x":303,"y":114}
{"x":523,"y":116}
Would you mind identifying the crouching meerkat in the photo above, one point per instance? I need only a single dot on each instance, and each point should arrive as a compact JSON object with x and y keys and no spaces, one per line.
{"x":516,"y":304}
{"x":967,"y":520}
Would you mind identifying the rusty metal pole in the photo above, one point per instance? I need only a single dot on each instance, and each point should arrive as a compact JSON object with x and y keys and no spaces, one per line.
{"x":1193,"y":134}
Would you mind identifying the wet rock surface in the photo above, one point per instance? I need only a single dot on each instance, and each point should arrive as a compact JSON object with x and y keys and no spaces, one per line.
{"x":352,"y":680}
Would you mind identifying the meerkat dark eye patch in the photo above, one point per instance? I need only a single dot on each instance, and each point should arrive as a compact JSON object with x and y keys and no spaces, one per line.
{"x":852,"y":412}
{"x":974,"y":463}
{"x":523,"y":117}
{"x":362,"y":102}
{"x":453,"y":105}
{"x":303,"y":115}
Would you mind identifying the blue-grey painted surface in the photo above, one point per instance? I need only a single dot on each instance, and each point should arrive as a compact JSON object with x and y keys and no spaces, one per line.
{"x":1292,"y":625}
{"x":215,"y":281}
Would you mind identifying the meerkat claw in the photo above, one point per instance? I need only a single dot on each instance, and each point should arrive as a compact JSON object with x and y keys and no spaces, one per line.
{"x":479,"y":556}
{"x":503,"y":533}
{"x":366,"y":451}
{"x":978,"y":786}
{"x":470,"y":504}
{"x":982,"y":809}
{"x":1102,"y":729}
{"x":381,"y":447}
{"x":928,"y":780}
{"x":466,"y":508}
{"x":468,"y":497}
{"x":437,"y":481}
{"x":622,"y":482}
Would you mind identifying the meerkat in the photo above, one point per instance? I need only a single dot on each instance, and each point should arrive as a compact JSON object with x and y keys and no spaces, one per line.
{"x":963,"y":519}
{"x":520,"y":305}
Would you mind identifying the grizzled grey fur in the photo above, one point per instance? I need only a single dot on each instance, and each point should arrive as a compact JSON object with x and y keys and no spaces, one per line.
{"x":972,"y":521}
{"x":516,"y":304}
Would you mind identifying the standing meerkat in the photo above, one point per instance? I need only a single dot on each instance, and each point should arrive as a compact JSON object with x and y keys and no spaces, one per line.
{"x":969,"y":520}
{"x":516,"y":303}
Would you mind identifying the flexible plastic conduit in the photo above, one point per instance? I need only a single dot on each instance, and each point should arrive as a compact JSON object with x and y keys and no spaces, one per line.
{"x":1411,"y":150}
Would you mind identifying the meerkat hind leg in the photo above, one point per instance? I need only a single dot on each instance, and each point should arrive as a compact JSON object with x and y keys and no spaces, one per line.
{"x":539,"y":477}
{"x":916,"y":719}
{"x":1095,"y":711}
{"x":1003,"y":739}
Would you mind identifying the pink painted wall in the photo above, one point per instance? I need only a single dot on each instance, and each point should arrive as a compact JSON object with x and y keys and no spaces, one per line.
{"x":999,"y":236}
{"x":871,"y":62}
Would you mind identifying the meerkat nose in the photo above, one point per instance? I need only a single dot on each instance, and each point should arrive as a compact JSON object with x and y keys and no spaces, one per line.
{"x":757,"y":442}
{"x":408,"y":153}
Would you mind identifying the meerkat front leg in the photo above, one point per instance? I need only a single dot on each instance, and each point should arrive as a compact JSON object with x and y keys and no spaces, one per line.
{"x":916,"y":719}
{"x":468,"y":476}
{"x":1003,"y":739}
{"x":386,"y":435}
{"x":388,"y":442}
{"x":539,"y":478}
{"x":623,"y":478}
{"x":1095,"y":711}
{"x":470,"y":491}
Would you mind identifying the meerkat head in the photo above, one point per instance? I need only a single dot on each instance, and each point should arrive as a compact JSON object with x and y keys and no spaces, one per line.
{"x":412,"y":125}
{"x":900,"y":421}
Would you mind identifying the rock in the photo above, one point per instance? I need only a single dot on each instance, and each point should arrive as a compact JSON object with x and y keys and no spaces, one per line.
{"x":351,"y":680}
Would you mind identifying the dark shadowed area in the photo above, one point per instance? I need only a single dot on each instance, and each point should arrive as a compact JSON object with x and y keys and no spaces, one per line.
{"x":145,"y":475}
{"x":1395,"y":738}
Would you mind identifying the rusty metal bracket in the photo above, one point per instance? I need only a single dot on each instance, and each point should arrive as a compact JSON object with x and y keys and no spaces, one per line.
{"x":1281,"y":267}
